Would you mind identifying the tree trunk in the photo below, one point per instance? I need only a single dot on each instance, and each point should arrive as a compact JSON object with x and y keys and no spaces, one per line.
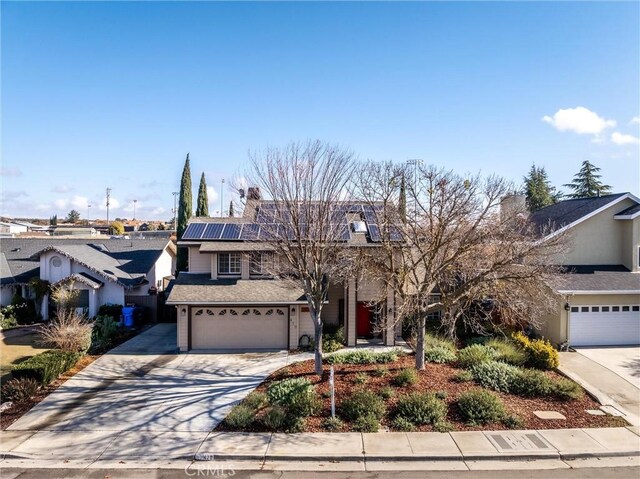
{"x":420,"y":342}
{"x":318,"y":347}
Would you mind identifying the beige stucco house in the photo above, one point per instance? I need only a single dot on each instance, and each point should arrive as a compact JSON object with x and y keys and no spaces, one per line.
{"x":227,"y":300}
{"x":599,"y":294}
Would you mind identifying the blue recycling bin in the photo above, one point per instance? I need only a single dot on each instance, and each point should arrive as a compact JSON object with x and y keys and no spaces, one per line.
{"x":127,"y":316}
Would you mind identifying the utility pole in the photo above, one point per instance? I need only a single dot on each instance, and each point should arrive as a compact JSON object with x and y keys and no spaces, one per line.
{"x":134,"y":209}
{"x":88,"y":207}
{"x":222,"y":199}
{"x":175,"y":210}
{"x":108,"y":203}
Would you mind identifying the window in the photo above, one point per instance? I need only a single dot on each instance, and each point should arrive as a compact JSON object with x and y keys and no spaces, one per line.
{"x":615,"y":309}
{"x":229,"y":263}
{"x":259,"y":263}
{"x":625,"y":308}
{"x":605,"y":309}
{"x":83,"y":298}
{"x":636,"y":308}
{"x":585,"y":309}
{"x":595,"y":309}
{"x":574,"y":309}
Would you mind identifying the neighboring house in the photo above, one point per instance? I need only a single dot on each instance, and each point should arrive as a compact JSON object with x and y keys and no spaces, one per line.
{"x":105,"y":271}
{"x":226,"y":300}
{"x":10,"y":228}
{"x":599,"y":294}
{"x":75,"y":231}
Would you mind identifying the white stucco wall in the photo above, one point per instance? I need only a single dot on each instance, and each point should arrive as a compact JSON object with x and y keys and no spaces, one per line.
{"x":50,"y":272}
{"x":161,"y":269}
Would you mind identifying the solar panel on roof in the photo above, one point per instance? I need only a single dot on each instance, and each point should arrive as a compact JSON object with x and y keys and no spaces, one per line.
{"x":193,"y":231}
{"x":395,"y":234}
{"x":231,"y":231}
{"x":213,"y":231}
{"x":250,"y":231}
{"x":374,"y":233}
{"x":343,"y":233}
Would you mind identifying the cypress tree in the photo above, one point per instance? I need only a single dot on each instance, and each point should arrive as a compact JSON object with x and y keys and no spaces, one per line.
{"x":185,"y":209}
{"x":538,"y":189}
{"x":586,"y":183}
{"x":402,"y":200}
{"x":203,"y":201}
{"x":231,"y":211}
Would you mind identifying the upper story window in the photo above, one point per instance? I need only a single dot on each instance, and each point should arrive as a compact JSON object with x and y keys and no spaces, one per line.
{"x":229,"y":263}
{"x":259,"y":263}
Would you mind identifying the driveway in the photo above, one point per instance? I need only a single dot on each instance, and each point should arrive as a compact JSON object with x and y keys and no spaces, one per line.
{"x":143,"y":385}
{"x":623,"y":360}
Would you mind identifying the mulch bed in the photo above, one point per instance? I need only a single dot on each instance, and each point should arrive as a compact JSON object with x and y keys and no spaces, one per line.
{"x":16,"y":411}
{"x":436,"y":377}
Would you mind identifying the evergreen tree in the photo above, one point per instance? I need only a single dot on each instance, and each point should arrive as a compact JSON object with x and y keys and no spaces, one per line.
{"x":73,"y":216}
{"x":538,"y":189}
{"x":185,"y":209}
{"x":202,"y":208}
{"x":586,"y":183}
{"x":402,"y":201}
{"x":53,"y":221}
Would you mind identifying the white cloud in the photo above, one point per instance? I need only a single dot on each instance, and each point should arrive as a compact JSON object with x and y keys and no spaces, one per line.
{"x":212,"y":195}
{"x":10,"y":172}
{"x":622,"y":139}
{"x":580,"y":120}
{"x":61,"y":203}
{"x":635,"y":120}
{"x":114,"y":204}
{"x":79,"y":201}
{"x":62,"y":189}
{"x":158,"y":211}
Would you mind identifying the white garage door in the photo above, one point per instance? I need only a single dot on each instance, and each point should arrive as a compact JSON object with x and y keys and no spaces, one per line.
{"x":245,"y":328}
{"x":607,"y":325}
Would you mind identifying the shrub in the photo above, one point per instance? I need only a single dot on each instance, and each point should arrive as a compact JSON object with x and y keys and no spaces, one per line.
{"x":480,"y":407}
{"x":104,"y":333}
{"x":362,"y":403}
{"x":112,"y":310}
{"x":295,"y":424}
{"x":442,"y":394}
{"x":240,"y":417}
{"x":330,"y":345}
{"x":512,"y":421}
{"x":443,"y":426}
{"x":362,"y":357}
{"x":47,"y":366}
{"x":406,"y":377}
{"x":495,"y":375}
{"x":19,"y":390}
{"x":566,"y":389}
{"x":387,"y":393}
{"x":474,"y":355}
{"x":275,"y":418}
{"x":439,"y":355}
{"x":8,"y":317}
{"x":69,"y":332}
{"x":421,"y":408}
{"x":255,"y":400}
{"x":361,"y":378}
{"x":23,"y":310}
{"x":507,"y":351}
{"x":402,"y":424}
{"x":285,"y":392}
{"x":540,"y":353}
{"x":368,"y":423}
{"x":463,"y":377}
{"x":333,"y":424}
{"x":476,"y":340}
{"x":438,"y":342}
{"x":380,"y":372}
{"x":531,"y":383}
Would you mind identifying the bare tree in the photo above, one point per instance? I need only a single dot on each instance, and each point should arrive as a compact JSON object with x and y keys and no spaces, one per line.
{"x":457,"y":248}
{"x":301,"y":220}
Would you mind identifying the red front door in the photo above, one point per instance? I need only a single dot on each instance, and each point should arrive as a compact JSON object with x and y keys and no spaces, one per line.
{"x":364,"y":325}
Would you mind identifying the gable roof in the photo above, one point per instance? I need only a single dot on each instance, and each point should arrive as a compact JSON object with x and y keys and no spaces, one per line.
{"x":128,"y":261}
{"x":568,"y":213}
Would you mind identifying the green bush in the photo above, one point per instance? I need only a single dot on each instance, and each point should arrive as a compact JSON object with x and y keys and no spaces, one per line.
{"x":438,"y":342}
{"x":286,"y":392}
{"x":512,"y":421}
{"x":330,"y":345}
{"x":495,"y":375}
{"x":387,"y":393}
{"x":361,"y":378}
{"x":47,"y":366}
{"x":406,"y":377}
{"x":463,"y":377}
{"x":421,"y":408}
{"x":333,"y":424}
{"x":362,"y":403}
{"x":19,"y":390}
{"x":540,"y":353}
{"x":275,"y":418}
{"x":443,"y":426}
{"x":255,"y":400}
{"x":362,"y":357}
{"x":24,"y":310}
{"x":8,"y":317}
{"x":295,"y":424}
{"x":507,"y":351}
{"x":104,"y":333}
{"x":566,"y":389}
{"x":240,"y":417}
{"x":474,"y":355}
{"x":442,"y":394}
{"x":112,"y":310}
{"x":439,"y":355}
{"x":480,"y":407}
{"x":380,"y":372}
{"x":401,"y":424}
{"x":531,"y":383}
{"x":367,"y":423}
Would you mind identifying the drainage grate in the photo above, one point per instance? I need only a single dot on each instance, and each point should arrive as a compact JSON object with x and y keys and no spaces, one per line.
{"x":518,"y":441}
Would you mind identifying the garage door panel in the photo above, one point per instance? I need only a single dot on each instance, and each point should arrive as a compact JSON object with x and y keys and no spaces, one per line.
{"x":239,"y":328}
{"x":596,"y":328}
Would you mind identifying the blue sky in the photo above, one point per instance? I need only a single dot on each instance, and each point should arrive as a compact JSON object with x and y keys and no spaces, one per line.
{"x":98,"y":95}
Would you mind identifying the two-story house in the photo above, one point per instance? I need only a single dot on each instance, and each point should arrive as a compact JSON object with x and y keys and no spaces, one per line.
{"x":227,"y":299}
{"x":599,"y":293}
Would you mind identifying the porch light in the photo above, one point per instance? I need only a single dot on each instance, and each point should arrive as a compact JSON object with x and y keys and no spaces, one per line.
{"x":567,"y":307}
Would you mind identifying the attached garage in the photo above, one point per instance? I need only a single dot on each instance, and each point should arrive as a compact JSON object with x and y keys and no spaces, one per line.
{"x":242,"y":328}
{"x":604,"y":325}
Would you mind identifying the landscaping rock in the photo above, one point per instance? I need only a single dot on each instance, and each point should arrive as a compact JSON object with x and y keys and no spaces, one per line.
{"x":596,"y":412}
{"x":548,"y":415}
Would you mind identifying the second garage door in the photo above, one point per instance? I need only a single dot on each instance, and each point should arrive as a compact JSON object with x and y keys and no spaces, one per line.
{"x":243,"y":328}
{"x":607,"y":325}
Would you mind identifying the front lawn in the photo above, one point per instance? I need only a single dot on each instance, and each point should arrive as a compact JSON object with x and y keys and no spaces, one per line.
{"x":17,"y":346}
{"x":387,"y":393}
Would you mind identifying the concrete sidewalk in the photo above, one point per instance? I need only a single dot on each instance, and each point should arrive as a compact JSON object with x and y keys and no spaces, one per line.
{"x":105,"y":447}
